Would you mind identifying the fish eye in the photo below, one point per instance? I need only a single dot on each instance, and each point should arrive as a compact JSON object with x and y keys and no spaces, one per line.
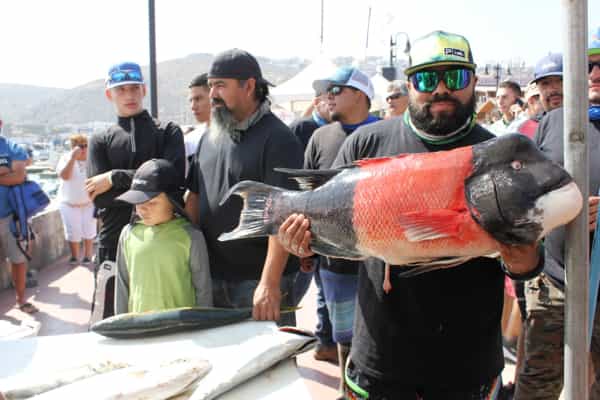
{"x":516,"y":165}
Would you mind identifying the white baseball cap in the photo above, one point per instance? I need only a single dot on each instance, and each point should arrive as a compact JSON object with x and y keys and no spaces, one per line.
{"x":347,"y":76}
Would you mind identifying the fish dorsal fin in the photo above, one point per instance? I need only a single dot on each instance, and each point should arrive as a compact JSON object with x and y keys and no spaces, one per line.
{"x":309,"y":179}
{"x":377,"y":160}
{"x":431,"y":224}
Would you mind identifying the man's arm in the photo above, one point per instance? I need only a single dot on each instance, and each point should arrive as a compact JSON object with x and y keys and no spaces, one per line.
{"x":122,"y":278}
{"x":267,"y":296}
{"x":15,"y":175}
{"x":98,"y":185}
{"x":200,"y":269}
{"x":65,"y":169}
{"x":522,"y":262}
{"x":191,"y":206}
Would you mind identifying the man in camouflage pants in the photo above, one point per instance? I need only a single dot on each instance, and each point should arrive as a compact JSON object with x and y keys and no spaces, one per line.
{"x":541,"y":376}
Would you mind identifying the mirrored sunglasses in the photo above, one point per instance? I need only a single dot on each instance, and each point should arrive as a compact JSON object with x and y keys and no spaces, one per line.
{"x":454,"y":79}
{"x":125,"y":76}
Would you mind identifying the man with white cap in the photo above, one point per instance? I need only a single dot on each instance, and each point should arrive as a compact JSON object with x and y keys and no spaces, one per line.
{"x":349,"y":93}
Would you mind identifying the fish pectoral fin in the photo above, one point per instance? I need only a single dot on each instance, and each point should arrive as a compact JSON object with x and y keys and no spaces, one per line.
{"x":432,"y":224}
{"x":420,"y":267}
{"x":331,"y":250}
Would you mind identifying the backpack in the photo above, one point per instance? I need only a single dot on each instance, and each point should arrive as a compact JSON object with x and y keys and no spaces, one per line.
{"x":25,"y":200}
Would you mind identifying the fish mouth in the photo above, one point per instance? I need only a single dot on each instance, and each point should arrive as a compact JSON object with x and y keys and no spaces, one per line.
{"x":546,"y":213}
{"x":558,"y":207}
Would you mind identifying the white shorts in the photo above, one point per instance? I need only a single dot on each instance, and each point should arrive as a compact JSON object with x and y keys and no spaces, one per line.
{"x":79,"y":222}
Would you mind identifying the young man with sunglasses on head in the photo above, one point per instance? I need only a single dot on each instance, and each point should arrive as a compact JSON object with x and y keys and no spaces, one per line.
{"x":436,"y":335}
{"x":114,"y":156}
{"x":541,"y":375}
{"x":349,"y":94}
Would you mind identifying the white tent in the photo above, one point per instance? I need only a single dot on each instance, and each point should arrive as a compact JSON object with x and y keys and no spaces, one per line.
{"x":296,"y":93}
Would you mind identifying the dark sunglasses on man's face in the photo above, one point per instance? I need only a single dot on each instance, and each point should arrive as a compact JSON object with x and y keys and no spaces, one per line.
{"x":335,"y":90}
{"x":593,"y":64}
{"x":454,"y":79}
{"x":393,"y":96}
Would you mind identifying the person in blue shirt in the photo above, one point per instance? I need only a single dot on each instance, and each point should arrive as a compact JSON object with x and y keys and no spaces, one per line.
{"x":13,"y":160}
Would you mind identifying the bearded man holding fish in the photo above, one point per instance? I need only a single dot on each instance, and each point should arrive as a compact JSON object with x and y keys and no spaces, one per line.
{"x":436,"y":334}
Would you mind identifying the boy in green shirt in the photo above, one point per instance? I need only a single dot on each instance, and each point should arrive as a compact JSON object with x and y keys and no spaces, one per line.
{"x":162,"y":261}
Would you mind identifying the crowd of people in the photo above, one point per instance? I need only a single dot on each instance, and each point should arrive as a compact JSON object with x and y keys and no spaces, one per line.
{"x":158,"y":194}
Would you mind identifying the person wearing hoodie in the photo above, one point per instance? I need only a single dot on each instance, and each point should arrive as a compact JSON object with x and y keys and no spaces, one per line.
{"x":115,"y":154}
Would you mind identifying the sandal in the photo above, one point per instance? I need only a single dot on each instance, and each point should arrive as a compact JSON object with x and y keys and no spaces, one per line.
{"x":28,"y":308}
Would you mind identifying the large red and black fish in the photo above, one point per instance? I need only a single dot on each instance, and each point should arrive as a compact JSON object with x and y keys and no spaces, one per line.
{"x":431,"y":210}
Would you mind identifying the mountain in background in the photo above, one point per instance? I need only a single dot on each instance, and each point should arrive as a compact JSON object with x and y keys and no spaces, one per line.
{"x":22,"y":104}
{"x":18,"y":99}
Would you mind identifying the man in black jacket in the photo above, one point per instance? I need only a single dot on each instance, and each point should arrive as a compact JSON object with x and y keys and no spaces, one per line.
{"x":114,"y":156}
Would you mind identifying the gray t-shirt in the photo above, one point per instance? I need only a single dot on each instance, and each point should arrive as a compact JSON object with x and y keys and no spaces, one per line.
{"x":549,"y":138}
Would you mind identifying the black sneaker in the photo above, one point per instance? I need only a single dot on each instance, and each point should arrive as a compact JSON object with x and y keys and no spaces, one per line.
{"x":86,"y":260}
{"x":73,"y":261}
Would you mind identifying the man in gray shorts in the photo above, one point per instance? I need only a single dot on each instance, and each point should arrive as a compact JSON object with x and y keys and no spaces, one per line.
{"x":12,"y":172}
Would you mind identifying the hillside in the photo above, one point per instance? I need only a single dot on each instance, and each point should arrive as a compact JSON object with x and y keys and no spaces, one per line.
{"x":35,"y":105}
{"x":16,"y":100}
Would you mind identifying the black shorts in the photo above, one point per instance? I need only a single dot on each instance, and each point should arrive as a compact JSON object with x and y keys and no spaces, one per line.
{"x":360,"y":386}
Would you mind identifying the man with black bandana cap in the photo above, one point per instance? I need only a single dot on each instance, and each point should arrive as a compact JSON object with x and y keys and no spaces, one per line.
{"x":114,"y":156}
{"x":407,"y":341}
{"x":245,"y":141}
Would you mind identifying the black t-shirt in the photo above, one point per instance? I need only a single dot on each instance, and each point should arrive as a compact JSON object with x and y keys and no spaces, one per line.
{"x":122,"y":149}
{"x":219,"y":164}
{"x":303,"y":128}
{"x":549,"y":138}
{"x":441,"y":328}
{"x":320,"y":153}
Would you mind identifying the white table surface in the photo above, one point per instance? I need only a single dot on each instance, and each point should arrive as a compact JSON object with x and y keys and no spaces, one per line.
{"x":221,"y":346}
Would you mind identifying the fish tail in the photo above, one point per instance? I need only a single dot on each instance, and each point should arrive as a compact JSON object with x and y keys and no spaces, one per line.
{"x":257,"y":218}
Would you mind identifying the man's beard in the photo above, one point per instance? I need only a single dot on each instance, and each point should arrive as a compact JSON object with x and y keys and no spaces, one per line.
{"x":444,"y":122}
{"x":222,"y":121}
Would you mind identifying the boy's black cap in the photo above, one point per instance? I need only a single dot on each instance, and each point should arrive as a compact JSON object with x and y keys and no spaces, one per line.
{"x":151,"y":179}
{"x":236,"y":64}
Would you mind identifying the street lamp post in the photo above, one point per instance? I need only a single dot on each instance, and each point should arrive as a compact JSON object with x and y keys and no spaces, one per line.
{"x":152,"y":43}
{"x":498,"y":69}
{"x":393,"y":56}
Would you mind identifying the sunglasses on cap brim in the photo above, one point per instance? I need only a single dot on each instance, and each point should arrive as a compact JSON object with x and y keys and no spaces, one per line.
{"x":428,"y":80}
{"x":125,"y":76}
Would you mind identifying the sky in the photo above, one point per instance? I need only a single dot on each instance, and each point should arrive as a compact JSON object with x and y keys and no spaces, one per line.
{"x":67,"y":43}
